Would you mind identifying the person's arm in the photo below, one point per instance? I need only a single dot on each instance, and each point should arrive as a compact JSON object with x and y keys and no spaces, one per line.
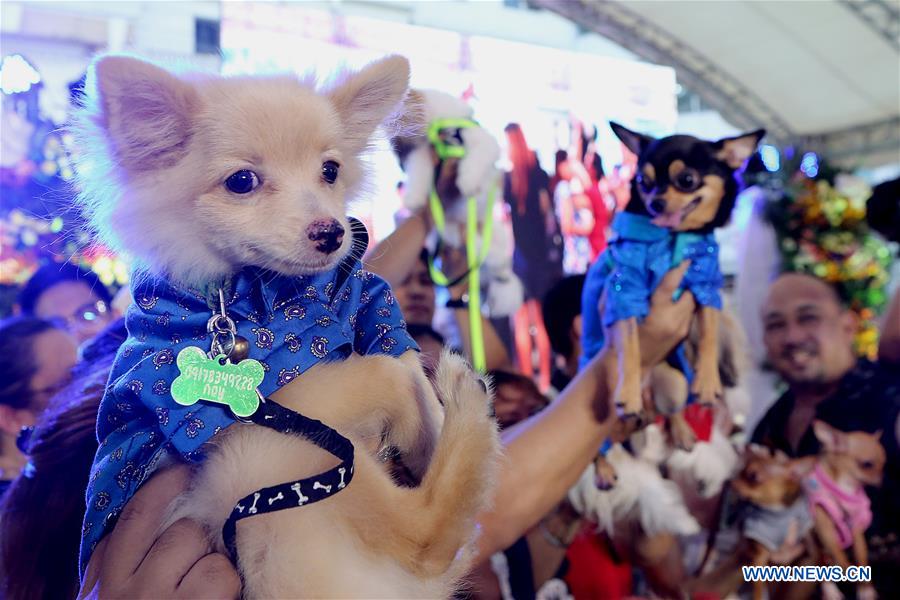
{"x":394,"y":257}
{"x":545,"y":455}
{"x":889,"y":345}
{"x":568,"y":224}
{"x":495,"y":354}
{"x":580,"y":173}
{"x":566,"y":213}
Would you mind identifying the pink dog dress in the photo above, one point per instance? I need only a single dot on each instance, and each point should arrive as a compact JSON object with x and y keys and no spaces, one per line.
{"x":849,"y":511}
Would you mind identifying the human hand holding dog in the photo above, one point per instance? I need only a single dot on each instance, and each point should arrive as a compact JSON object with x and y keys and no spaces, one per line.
{"x":668,"y":321}
{"x":132,"y":562}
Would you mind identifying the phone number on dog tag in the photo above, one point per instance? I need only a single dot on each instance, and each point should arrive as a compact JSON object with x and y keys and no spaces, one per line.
{"x":215,"y":380}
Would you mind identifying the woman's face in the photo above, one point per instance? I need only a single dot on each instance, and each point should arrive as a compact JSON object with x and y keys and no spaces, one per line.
{"x":54,"y":353}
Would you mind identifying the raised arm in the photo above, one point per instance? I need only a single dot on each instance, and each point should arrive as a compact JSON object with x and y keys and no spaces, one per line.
{"x":394,"y":257}
{"x":495,"y":354}
{"x":547,"y":453}
{"x":567,"y":222}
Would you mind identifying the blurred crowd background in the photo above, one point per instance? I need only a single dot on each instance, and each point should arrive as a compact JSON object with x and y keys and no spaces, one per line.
{"x":821,"y":77}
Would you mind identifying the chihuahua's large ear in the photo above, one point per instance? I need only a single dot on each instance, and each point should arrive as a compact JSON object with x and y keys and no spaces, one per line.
{"x":800,"y":467}
{"x":734,"y":151}
{"x":636,"y":142}
{"x":757,"y":450}
{"x":145,"y":111}
{"x":365,"y":99}
{"x":832,"y":439}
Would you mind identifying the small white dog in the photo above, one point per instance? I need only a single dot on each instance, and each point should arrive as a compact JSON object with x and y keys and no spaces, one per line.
{"x":476,"y":176}
{"x":641,"y":494}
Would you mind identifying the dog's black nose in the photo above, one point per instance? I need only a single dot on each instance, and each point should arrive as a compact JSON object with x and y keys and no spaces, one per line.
{"x":657,"y":206}
{"x":327,"y":235}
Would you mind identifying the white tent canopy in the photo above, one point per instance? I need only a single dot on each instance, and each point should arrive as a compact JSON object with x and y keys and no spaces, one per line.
{"x":823,"y":73}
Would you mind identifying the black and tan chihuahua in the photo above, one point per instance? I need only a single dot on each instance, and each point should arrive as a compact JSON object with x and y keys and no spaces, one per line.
{"x":684,"y":189}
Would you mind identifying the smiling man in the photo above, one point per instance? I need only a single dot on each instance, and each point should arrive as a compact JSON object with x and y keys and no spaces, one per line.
{"x":808,"y":336}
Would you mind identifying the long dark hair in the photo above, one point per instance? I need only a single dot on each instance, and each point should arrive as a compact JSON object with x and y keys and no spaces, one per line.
{"x":523,"y":161}
{"x":42,"y":512}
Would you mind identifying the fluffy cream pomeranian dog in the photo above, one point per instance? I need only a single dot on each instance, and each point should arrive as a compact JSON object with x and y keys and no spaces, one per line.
{"x":197,"y":177}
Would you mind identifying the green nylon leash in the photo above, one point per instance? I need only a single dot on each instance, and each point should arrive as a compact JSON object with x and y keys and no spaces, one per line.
{"x":475,"y":258}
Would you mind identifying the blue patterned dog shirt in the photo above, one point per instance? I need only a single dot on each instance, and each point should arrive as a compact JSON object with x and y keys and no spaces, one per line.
{"x":292,"y":323}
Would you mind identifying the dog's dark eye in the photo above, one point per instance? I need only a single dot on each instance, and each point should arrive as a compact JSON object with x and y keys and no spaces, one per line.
{"x":866,"y":465}
{"x":242,"y":182}
{"x":330,"y":171}
{"x":688,"y":180}
{"x":646,"y":184}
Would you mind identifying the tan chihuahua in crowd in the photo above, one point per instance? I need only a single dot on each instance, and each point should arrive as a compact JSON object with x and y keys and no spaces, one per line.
{"x":772,"y":486}
{"x":822,"y":496}
{"x":840,"y":507}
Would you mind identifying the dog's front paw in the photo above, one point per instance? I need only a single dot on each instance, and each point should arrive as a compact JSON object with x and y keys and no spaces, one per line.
{"x":683,"y":436}
{"x":707,"y":386}
{"x":605,"y":476}
{"x":463,"y":392}
{"x":628,"y":397}
{"x":469,"y":448}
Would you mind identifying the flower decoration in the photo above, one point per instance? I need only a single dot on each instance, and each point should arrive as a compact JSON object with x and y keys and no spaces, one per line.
{"x":820,"y":223}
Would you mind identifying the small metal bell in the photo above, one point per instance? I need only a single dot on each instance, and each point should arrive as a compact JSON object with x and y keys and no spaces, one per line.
{"x":240,"y":350}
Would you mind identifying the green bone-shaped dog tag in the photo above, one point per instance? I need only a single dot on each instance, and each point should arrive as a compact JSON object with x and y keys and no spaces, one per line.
{"x":213,"y":379}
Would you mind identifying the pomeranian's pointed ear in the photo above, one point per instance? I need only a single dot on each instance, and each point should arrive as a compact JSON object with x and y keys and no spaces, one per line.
{"x":636,"y":142}
{"x":734,"y":151}
{"x":411,"y":121}
{"x":365,"y":99}
{"x":831,"y":438}
{"x":145,"y":110}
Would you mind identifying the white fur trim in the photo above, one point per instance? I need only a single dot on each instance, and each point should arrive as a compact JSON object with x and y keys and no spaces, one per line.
{"x":709,"y":464}
{"x":641,"y":494}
